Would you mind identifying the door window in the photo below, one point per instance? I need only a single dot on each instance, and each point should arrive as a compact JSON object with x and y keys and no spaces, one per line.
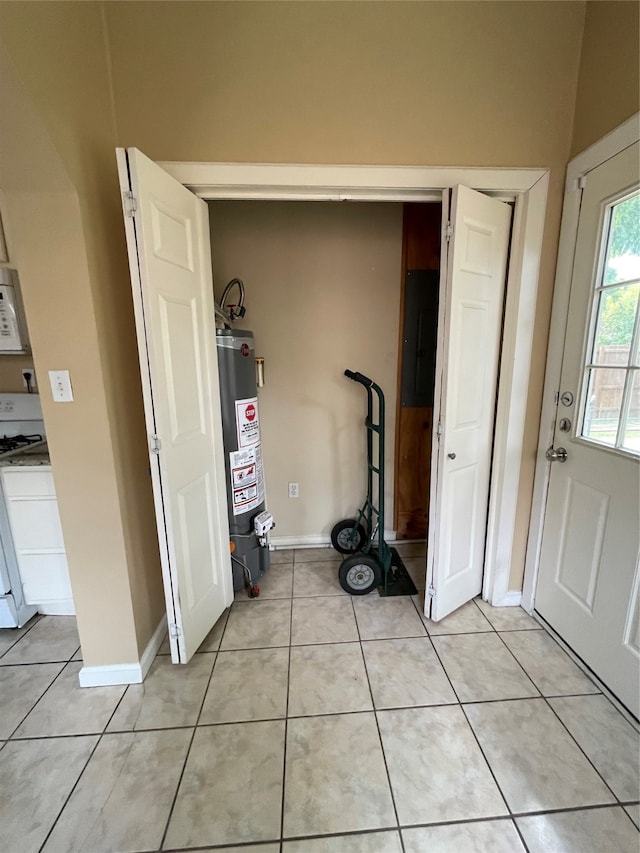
{"x":611,"y":404}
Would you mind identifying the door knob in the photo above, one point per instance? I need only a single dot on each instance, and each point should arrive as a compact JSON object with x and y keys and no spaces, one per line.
{"x":556,"y":454}
{"x":451,"y":455}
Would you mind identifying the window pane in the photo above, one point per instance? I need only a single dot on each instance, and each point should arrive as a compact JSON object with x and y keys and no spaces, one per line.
{"x":631,"y":438}
{"x":604,"y":401}
{"x":616,"y":318}
{"x":623,"y":251}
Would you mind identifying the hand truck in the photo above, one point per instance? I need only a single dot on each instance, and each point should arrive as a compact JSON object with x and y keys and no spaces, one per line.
{"x":371,"y":563}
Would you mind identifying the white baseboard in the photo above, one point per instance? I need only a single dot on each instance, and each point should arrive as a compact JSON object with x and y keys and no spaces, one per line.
{"x":511,"y":599}
{"x":310,"y":541}
{"x":125,"y":673}
{"x":148,"y":655}
{"x":108,"y":676}
{"x":313,"y":540}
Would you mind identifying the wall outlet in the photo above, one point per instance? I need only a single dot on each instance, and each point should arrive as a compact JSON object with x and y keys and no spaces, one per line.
{"x":61,"y":386}
{"x":29,"y":378}
{"x":293,"y":490}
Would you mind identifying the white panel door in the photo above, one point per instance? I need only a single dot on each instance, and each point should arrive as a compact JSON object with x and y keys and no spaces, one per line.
{"x":588,"y":578}
{"x":169,"y":255}
{"x":471,"y":316}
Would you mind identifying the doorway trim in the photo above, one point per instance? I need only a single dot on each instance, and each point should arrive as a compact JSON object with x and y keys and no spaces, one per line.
{"x":613,"y":143}
{"x":528,"y":188}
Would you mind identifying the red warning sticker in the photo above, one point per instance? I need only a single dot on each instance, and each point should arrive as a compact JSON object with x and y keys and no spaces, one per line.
{"x":247,"y":422}
{"x":247,"y":481}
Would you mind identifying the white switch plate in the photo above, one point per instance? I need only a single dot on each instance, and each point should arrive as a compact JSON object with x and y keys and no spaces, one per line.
{"x":61,"y":386}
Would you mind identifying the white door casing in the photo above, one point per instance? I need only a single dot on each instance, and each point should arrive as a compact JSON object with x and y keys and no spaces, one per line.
{"x":588,"y":579}
{"x":527,"y":188}
{"x":169,"y":257}
{"x":470,"y":319}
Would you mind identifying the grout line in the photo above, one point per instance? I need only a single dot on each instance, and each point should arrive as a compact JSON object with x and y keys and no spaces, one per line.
{"x":513,"y":655}
{"x":22,"y":636}
{"x":584,"y":668}
{"x":514,"y":816}
{"x":574,"y":739}
{"x":71,"y":792}
{"x":65,"y":661}
{"x":240,"y":846}
{"x":511,"y":816}
{"x":286,"y":728}
{"x":375,"y":717}
{"x":514,"y":823}
{"x":481,"y":611}
{"x":587,"y":808}
{"x":81,"y":774}
{"x":38,"y":700}
{"x":504,"y":799}
{"x":392,"y":829}
{"x":191,"y":739}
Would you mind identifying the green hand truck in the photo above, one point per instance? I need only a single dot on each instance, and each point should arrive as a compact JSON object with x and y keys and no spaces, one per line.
{"x":371,"y":563}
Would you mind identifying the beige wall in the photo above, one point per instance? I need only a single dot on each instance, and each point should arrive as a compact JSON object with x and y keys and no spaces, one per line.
{"x":609,"y":81}
{"x":485,"y":84}
{"x":418,"y":83}
{"x":11,"y":367}
{"x":71,"y":258}
{"x":322,"y":294}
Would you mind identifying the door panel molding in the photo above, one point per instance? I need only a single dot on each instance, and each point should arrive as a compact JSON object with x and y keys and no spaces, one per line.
{"x":613,"y":143}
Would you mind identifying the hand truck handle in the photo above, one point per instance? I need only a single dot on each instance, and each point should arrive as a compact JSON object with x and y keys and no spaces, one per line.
{"x":359,"y":377}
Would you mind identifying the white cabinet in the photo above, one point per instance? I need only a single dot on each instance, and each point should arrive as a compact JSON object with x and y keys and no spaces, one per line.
{"x":37,"y":538}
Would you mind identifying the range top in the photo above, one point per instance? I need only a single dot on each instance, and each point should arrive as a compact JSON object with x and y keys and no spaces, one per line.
{"x":21,"y":423}
{"x":10,"y":443}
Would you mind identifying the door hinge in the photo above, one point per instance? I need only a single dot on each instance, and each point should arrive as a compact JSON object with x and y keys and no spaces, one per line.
{"x":156,"y":444}
{"x":130,"y":203}
{"x":556,"y":397}
{"x":448,"y":232}
{"x":439,"y":430}
{"x":431,"y":591}
{"x":174,"y":630}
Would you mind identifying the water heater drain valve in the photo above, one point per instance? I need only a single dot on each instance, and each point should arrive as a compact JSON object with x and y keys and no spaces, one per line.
{"x":263,"y":523}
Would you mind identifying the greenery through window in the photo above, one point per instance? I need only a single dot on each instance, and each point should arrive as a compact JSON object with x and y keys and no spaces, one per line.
{"x":611,"y":413}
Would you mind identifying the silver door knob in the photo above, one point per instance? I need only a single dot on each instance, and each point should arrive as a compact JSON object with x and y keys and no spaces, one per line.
{"x":556,"y":454}
{"x":451,"y":455}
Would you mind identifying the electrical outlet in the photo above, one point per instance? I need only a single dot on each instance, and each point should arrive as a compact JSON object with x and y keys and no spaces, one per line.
{"x":61,"y":386}
{"x":293,"y":490}
{"x":29,"y":378}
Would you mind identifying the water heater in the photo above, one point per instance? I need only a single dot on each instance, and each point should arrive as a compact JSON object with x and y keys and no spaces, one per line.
{"x":249,"y":522}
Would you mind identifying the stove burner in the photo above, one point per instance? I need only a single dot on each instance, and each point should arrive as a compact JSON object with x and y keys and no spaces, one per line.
{"x":13,"y":442}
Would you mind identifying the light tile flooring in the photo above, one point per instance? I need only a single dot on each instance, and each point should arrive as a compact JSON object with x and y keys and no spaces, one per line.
{"x":314,"y":722}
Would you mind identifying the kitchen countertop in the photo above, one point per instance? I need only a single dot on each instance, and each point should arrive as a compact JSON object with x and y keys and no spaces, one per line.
{"x":27,"y":458}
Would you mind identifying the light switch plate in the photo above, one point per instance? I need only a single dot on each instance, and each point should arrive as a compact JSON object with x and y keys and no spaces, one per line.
{"x":61,"y":386}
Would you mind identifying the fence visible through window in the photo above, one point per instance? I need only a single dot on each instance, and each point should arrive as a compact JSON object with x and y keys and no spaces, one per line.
{"x":611,"y":405}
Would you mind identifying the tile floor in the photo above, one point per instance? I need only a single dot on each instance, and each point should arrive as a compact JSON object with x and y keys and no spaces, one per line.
{"x":314,"y":722}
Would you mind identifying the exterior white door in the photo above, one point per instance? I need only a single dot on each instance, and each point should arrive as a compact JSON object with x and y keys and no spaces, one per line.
{"x":588,"y":577}
{"x":467,"y":366}
{"x":169,"y":256}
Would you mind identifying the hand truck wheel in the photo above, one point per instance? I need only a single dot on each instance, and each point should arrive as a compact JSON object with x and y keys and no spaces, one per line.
{"x":348,"y":536}
{"x":359,"y":574}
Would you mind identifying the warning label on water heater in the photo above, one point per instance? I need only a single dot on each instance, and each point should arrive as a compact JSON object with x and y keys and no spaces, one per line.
{"x":247,"y":422}
{"x":247,"y":481}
